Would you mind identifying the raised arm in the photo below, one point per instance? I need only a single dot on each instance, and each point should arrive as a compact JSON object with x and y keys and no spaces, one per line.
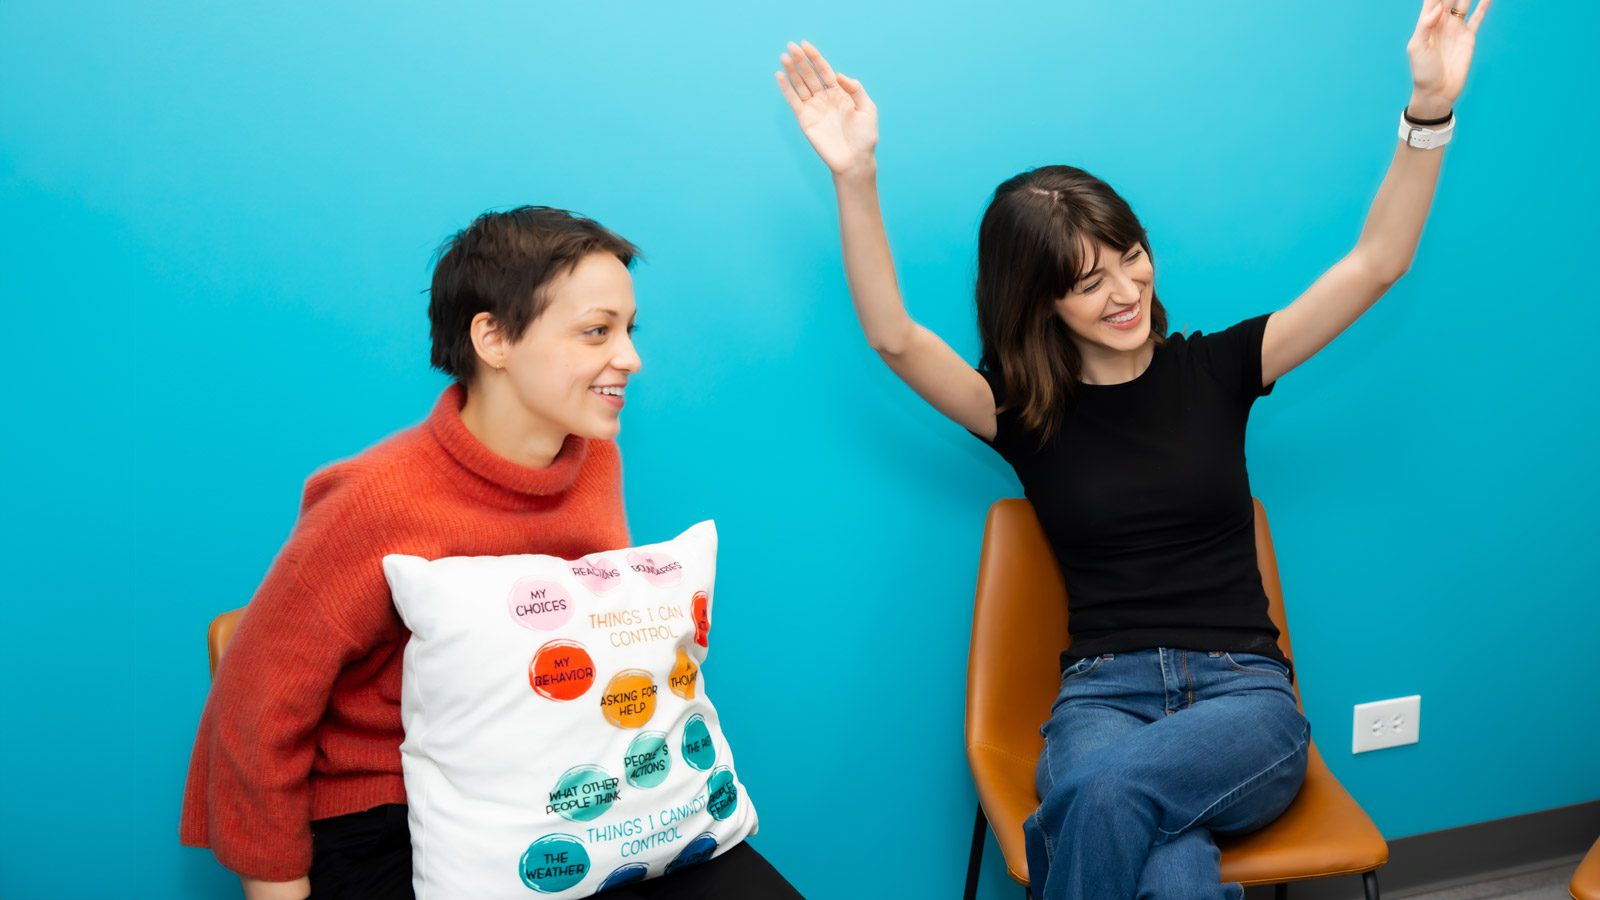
{"x":841,"y":122}
{"x":1441,"y":52}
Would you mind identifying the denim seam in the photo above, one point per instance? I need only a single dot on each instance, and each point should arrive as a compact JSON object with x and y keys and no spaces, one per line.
{"x":1044,"y":838}
{"x":1239,"y":791}
{"x":1049,"y":767}
{"x":1188,"y":680}
{"x":1237,"y":666}
{"x":1161,"y":657}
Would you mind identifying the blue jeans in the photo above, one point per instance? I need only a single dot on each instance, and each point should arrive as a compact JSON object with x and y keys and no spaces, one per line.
{"x":1146,"y":755}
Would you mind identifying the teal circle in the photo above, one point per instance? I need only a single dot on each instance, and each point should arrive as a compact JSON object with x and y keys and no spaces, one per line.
{"x":583,"y":793}
{"x":553,"y":863}
{"x":722,"y":794}
{"x":647,"y":761}
{"x":698,"y":751}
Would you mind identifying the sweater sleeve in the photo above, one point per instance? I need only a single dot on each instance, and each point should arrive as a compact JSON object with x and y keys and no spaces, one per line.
{"x":248,"y":795}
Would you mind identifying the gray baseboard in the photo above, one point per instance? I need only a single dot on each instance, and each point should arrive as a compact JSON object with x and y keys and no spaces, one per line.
{"x":1479,"y":852}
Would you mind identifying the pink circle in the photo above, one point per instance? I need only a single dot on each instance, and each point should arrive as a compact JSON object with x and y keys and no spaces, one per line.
{"x":597,"y":573}
{"x":659,"y":569}
{"x":539,"y":604}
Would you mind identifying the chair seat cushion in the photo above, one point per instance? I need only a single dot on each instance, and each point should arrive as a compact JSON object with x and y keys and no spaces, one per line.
{"x":1324,"y":832}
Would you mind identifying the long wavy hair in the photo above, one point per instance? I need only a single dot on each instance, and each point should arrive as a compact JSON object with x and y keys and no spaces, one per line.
{"x":1032,"y":246}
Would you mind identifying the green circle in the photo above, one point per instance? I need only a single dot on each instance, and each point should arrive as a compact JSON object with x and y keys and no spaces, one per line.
{"x":583,"y":793}
{"x":647,"y":761}
{"x":553,"y":863}
{"x":722,"y":793}
{"x":698,"y":750}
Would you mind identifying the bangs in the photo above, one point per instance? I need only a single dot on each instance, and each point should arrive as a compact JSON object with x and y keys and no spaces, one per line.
{"x":1061,"y":241}
{"x":1090,"y":228}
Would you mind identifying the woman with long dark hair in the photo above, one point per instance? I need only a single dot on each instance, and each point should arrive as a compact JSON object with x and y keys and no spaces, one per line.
{"x":1176,"y":719}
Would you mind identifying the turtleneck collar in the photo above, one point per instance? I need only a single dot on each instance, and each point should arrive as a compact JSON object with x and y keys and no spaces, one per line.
{"x":447,"y":428}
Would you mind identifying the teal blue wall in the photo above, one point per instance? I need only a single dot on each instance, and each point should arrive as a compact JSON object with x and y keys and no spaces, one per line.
{"x":215,"y":225}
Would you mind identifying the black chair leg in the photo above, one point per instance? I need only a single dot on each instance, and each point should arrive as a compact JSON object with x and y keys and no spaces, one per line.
{"x":1280,"y":892}
{"x":1369,"y":882}
{"x":980,"y":830}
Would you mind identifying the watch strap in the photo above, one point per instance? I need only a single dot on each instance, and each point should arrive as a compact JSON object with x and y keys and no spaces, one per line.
{"x":1426,"y":137}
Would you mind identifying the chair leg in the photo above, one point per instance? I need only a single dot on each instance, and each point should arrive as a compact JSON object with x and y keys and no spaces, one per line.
{"x":980,"y":830}
{"x":1369,"y":883}
{"x":1280,"y":892}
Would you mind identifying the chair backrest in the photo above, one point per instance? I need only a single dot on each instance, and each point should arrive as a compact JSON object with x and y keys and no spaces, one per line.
{"x":220,"y":633}
{"x":1019,"y":626}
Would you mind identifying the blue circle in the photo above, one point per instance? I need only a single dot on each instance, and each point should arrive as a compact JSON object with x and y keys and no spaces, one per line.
{"x":553,"y":863}
{"x":698,"y":851}
{"x":627,"y":874}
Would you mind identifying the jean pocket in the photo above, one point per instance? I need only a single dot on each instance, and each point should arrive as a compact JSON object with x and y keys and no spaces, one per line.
{"x":1081,"y":668}
{"x":1256,"y":663}
{"x":1071,"y":675}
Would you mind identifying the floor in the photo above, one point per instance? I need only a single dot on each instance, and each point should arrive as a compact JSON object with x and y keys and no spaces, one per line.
{"x":1549,"y":883}
{"x":1543,"y":881}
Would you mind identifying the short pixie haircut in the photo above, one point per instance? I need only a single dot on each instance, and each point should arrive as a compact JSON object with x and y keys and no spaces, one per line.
{"x":499,"y":265}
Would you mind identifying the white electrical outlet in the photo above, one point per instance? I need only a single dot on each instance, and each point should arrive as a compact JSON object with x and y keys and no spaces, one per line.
{"x":1387,"y":723}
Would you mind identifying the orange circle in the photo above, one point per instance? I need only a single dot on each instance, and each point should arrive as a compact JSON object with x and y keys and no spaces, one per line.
{"x":630,"y":699}
{"x":684,"y":676}
{"x":561,"y":670}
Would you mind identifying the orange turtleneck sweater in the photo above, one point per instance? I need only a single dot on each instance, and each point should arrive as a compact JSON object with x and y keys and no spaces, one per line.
{"x":303,"y":720}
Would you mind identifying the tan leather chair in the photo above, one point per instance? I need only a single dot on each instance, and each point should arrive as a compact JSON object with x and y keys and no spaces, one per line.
{"x":1586,"y":881}
{"x":1019,"y":628}
{"x":220,"y":633}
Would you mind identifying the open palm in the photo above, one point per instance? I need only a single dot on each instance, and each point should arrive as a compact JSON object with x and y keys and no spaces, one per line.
{"x":1441,"y":48}
{"x":833,"y":110}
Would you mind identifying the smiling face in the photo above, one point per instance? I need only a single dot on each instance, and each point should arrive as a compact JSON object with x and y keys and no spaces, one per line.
{"x":1108,"y":309}
{"x":568,"y":370}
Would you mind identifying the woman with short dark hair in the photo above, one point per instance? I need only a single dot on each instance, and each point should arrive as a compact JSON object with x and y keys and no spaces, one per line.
{"x":1176,"y":718}
{"x":295,"y":781}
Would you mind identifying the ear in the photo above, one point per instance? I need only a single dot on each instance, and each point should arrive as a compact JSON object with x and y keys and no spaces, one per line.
{"x":489,"y":341}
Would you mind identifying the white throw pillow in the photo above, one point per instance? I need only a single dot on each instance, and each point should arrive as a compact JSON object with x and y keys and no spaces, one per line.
{"x":558,"y":736}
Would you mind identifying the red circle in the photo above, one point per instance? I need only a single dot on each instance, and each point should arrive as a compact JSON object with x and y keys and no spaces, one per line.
{"x":561,"y":670}
{"x":702,"y":617}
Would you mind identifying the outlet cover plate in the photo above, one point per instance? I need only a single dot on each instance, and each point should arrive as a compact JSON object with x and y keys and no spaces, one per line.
{"x":1382,"y":724}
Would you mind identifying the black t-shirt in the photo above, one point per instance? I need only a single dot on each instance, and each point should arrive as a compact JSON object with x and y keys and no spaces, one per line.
{"x":1143,"y":494}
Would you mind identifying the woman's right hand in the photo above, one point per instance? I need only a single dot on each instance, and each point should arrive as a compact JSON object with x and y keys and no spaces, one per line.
{"x":833,"y":110}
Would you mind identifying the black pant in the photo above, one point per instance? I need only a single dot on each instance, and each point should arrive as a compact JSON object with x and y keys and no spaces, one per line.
{"x":367,"y":856}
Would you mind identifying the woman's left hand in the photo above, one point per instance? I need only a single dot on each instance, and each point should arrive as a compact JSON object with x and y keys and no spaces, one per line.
{"x":1441,"y":52}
